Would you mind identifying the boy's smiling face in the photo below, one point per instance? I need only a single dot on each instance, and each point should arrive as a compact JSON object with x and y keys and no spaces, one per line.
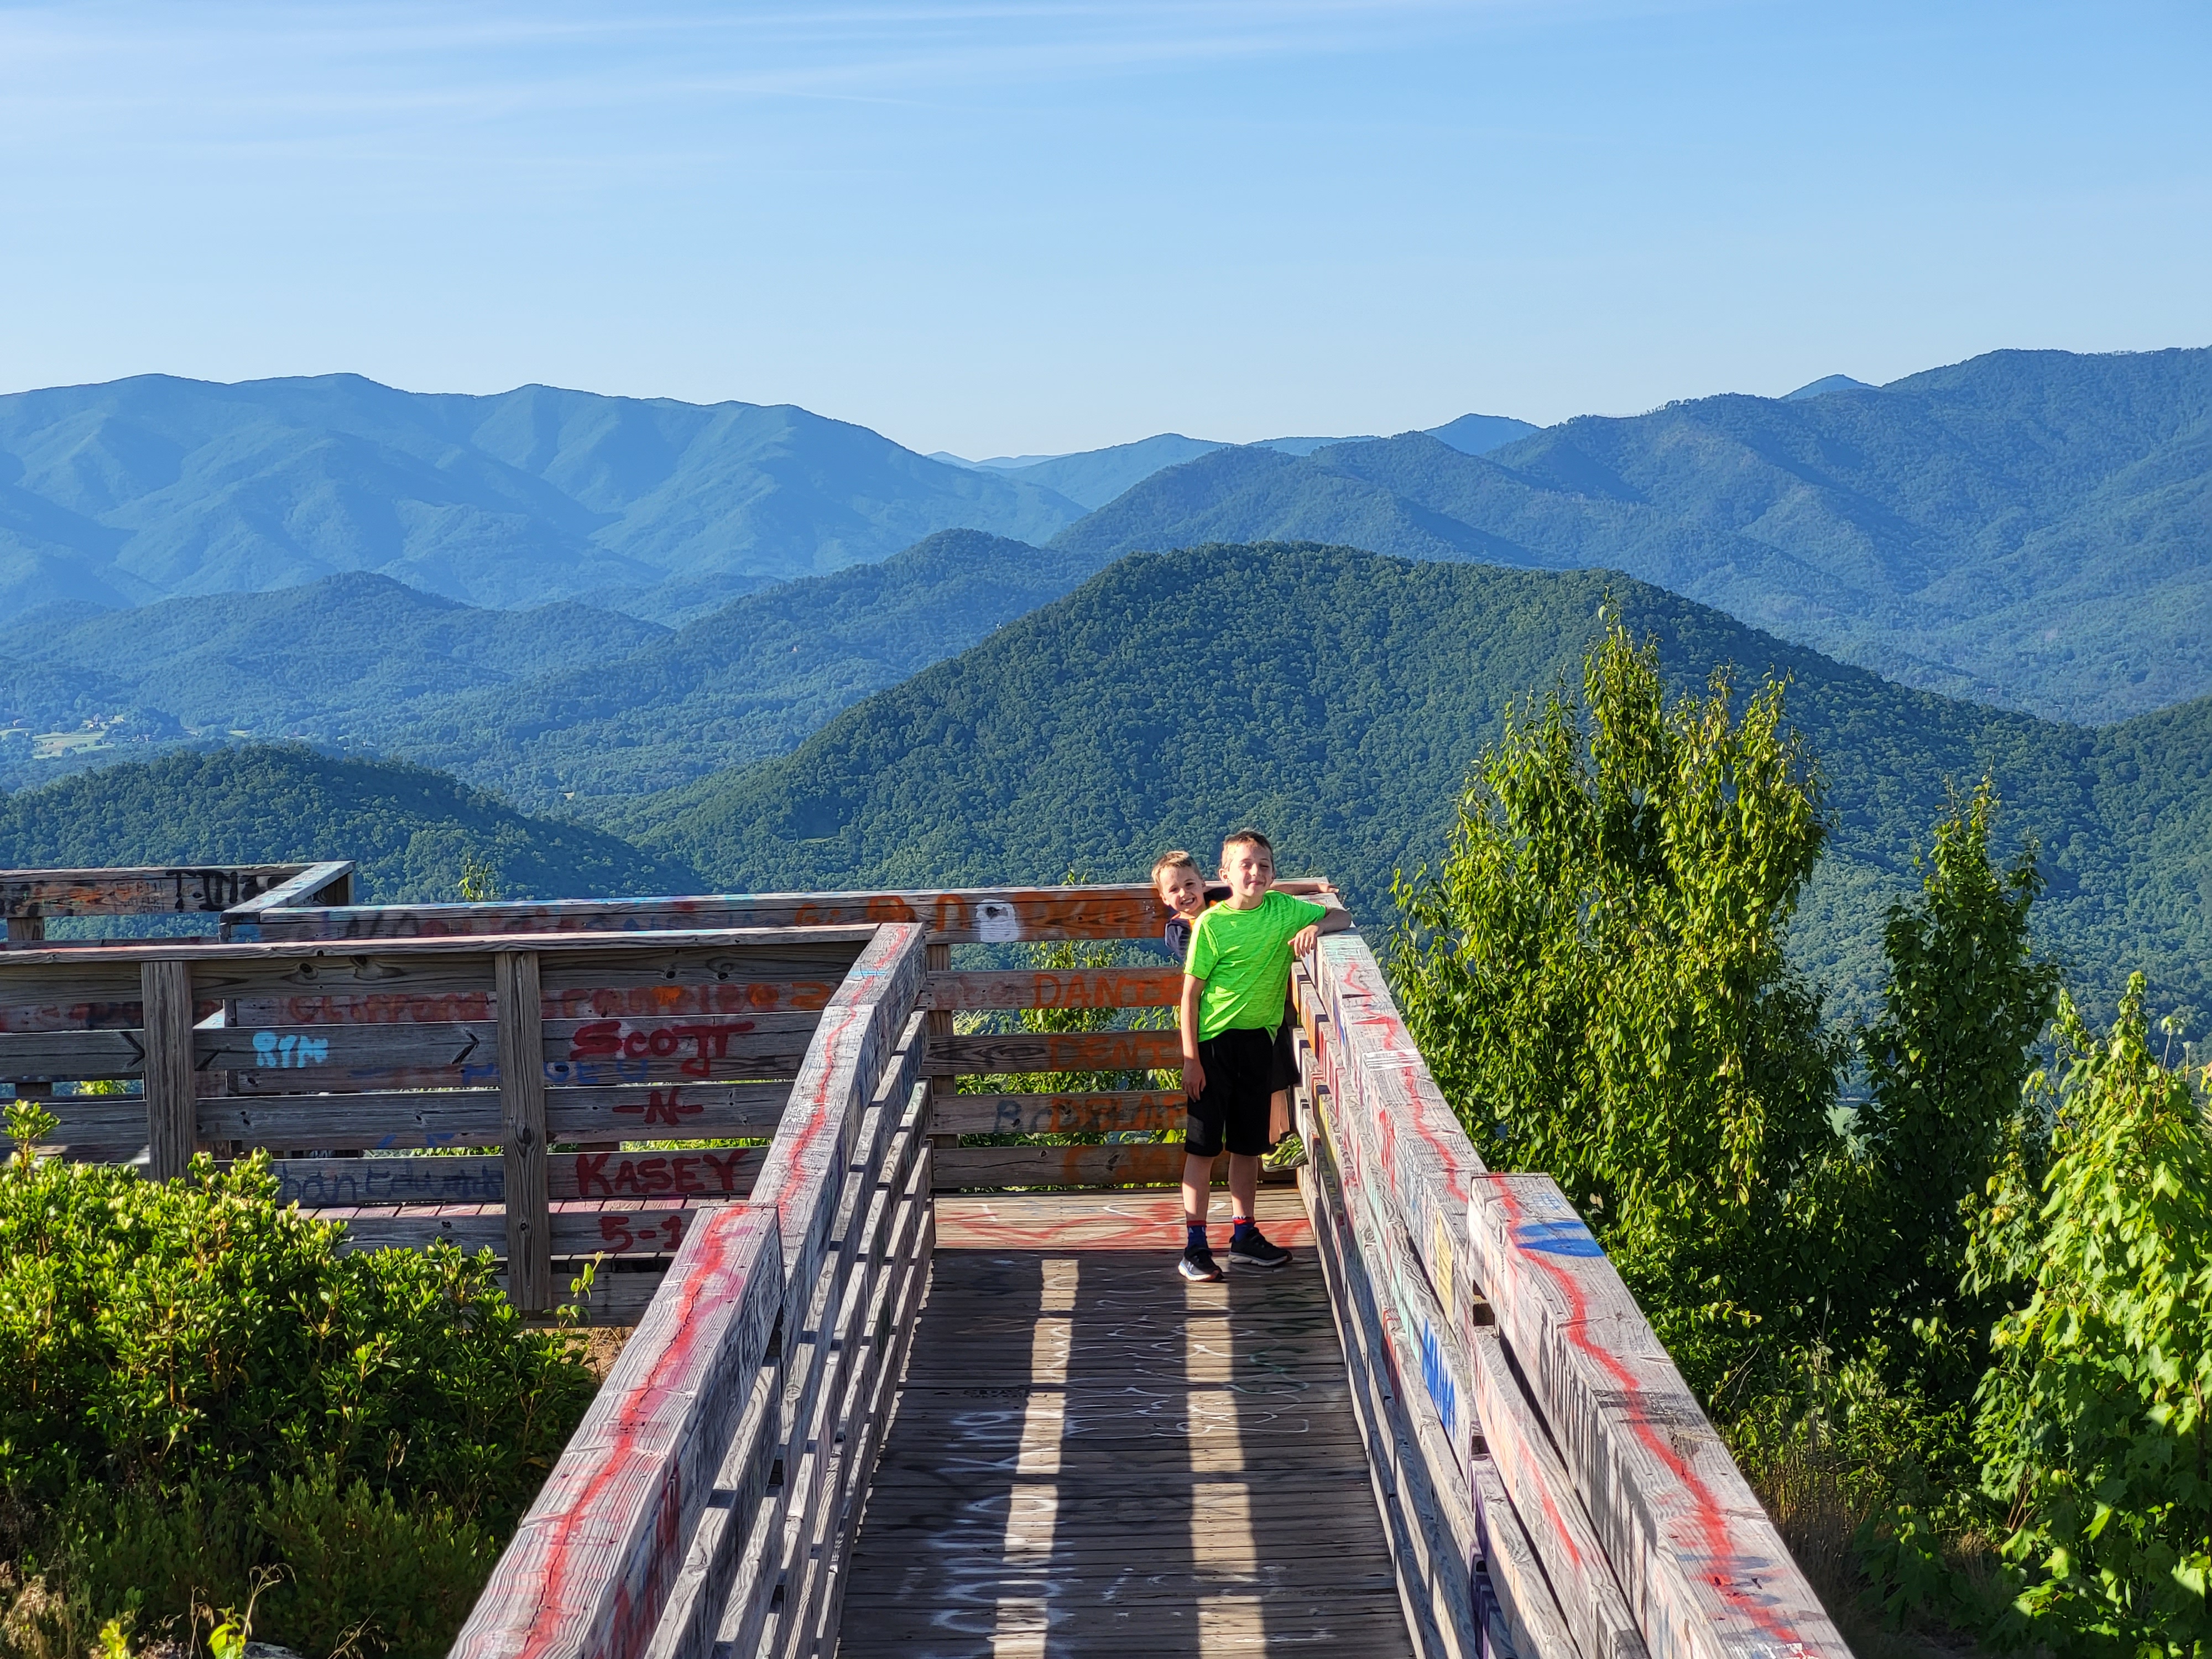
{"x":1183,"y":891}
{"x":1250,"y":870}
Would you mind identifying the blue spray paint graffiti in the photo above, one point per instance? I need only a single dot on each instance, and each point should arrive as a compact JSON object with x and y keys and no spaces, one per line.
{"x":289,"y":1050}
{"x":1442,"y":1390}
{"x":1556,"y":1237}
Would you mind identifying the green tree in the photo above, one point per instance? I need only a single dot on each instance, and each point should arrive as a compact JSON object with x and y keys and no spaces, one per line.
{"x":2091,"y":1423}
{"x":1597,"y":978}
{"x":1965,"y":1002}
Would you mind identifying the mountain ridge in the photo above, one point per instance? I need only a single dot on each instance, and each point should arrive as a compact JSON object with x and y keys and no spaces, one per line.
{"x":157,"y":486}
{"x":2026,"y":527}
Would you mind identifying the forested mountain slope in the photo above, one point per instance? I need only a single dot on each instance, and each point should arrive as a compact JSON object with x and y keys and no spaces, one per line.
{"x":2029,"y":528}
{"x":406,"y":828}
{"x":1337,"y":698}
{"x":153,"y":487}
{"x":751,"y":679}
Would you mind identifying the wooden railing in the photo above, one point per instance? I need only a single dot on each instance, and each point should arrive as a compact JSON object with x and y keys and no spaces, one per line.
{"x":29,"y":898}
{"x":1126,"y":912}
{"x":1546,"y":1475}
{"x":364,"y":1071}
{"x":708,"y":1501}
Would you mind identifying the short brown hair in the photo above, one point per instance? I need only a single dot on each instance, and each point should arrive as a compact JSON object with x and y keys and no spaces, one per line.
{"x":1246,"y":837}
{"x":1177,"y":859}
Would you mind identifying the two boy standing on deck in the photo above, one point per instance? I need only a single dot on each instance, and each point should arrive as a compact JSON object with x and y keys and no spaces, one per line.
{"x":1237,"y":973}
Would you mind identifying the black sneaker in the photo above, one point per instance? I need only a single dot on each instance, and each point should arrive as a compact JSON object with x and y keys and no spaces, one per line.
{"x":1198,"y":1263}
{"x":1250,"y":1248}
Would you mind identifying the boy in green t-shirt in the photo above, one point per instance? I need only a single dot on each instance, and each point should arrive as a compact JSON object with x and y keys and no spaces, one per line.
{"x":1234,"y":981}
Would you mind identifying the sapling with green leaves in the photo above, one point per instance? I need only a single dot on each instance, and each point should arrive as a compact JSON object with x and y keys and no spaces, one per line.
{"x":1965,"y":1002}
{"x":2093,"y":1422}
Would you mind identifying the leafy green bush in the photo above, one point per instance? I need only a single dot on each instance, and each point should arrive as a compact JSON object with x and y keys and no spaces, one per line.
{"x":195,"y":1383}
{"x":2093,"y":1422}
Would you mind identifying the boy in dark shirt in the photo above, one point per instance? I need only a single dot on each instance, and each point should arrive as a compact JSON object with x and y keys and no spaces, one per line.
{"x":1235,"y":978}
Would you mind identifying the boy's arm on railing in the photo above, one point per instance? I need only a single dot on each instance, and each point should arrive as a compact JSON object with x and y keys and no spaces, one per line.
{"x":1193,"y":1071}
{"x":1336,"y":920}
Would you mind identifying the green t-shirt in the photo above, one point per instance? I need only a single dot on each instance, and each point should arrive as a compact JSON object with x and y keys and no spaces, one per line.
{"x":1244,"y":958}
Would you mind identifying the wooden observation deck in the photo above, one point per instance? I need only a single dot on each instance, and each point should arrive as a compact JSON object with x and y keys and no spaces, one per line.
{"x":896,"y":1387}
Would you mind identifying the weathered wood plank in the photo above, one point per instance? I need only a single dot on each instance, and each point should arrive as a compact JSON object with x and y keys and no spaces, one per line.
{"x":714,"y":1555}
{"x":1367,"y":1366}
{"x":707,"y":1172}
{"x":1045,"y":987}
{"x":990,"y":915}
{"x":874,"y":1187}
{"x":1120,"y":1164}
{"x":592,"y":1563}
{"x":1082,"y":1114}
{"x":425,"y":947}
{"x":1055,"y":1051}
{"x":521,"y":1039}
{"x":470,"y":1117}
{"x":59,"y":1056}
{"x":891,"y":1333}
{"x":1542,"y":1493}
{"x":144,"y":892}
{"x":1359,"y":1140}
{"x":327,"y":883}
{"x":325,"y":1058}
{"x":172,"y":1122}
{"x":1071,"y":1546}
{"x":1704,"y":1570}
{"x":1420,"y":1152}
{"x":987,"y":915}
{"x":865,"y":1020}
{"x":1533,"y":1615}
{"x":638,"y":1230}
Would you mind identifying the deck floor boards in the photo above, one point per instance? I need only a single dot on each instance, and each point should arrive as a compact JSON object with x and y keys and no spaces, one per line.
{"x":1092,"y":1457}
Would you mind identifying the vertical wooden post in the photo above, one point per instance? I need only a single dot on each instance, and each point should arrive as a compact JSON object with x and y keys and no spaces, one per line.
{"x":172,"y":1103}
{"x":29,"y":930}
{"x":938,"y":959}
{"x":522,"y":1125}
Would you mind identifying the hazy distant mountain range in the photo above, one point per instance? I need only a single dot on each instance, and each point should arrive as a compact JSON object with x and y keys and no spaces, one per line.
{"x":156,"y":488}
{"x":2028,"y":528}
{"x":1096,"y":476}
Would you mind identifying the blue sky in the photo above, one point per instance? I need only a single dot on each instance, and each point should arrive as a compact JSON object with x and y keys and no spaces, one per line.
{"x":1010,"y":226}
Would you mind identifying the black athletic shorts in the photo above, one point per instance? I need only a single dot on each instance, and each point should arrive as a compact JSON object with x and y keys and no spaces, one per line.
{"x":1285,"y":1071}
{"x":1240,"y":1073}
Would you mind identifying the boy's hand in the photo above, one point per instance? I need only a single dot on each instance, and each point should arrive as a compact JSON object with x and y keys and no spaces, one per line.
{"x":1305,"y":938}
{"x":1194,"y":1076}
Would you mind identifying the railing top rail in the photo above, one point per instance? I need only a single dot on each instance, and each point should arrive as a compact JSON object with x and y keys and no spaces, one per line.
{"x":80,"y":952}
{"x":987,"y":915}
{"x":159,"y":890}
